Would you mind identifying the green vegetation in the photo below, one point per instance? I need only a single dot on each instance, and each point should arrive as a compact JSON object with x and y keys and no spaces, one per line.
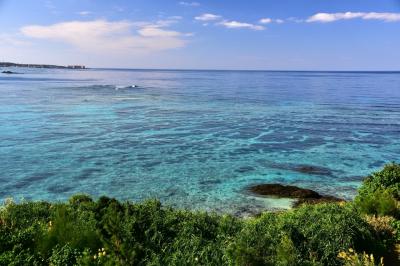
{"x":380,"y":192}
{"x":109,"y":232}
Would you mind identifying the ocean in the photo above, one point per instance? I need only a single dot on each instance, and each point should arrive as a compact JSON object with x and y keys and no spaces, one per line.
{"x":193,"y":139}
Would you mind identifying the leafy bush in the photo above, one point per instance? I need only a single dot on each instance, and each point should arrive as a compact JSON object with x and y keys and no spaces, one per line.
{"x":378,"y":202}
{"x":396,"y":226}
{"x":380,"y":192}
{"x":351,"y":258}
{"x":69,"y":228}
{"x":387,"y":179}
{"x":318,"y":233}
{"x":64,"y":256}
{"x":15,"y":216}
{"x":109,"y":232}
{"x":80,"y":199}
{"x":148,"y":233}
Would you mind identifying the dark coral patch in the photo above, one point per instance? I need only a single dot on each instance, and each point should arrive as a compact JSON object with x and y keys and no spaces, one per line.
{"x":301,"y":194}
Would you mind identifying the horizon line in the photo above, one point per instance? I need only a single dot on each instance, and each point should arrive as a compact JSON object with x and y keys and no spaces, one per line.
{"x":209,"y":69}
{"x":250,"y":70}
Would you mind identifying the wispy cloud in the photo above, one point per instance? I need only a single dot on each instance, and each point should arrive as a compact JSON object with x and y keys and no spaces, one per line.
{"x":270,"y":20}
{"x":118,"y":8}
{"x":331,"y":17}
{"x":13,"y":40}
{"x":193,"y":4}
{"x":50,"y":6}
{"x":208,"y":17}
{"x":84,"y":13}
{"x":240,"y":25}
{"x":102,"y":36}
{"x":230,"y":24}
{"x":265,"y":20}
{"x":175,"y":17}
{"x":154,"y":31}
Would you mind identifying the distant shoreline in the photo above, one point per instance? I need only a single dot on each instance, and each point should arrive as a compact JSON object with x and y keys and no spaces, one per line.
{"x":9,"y":64}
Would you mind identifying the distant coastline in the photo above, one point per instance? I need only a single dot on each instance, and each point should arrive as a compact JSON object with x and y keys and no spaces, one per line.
{"x":9,"y":64}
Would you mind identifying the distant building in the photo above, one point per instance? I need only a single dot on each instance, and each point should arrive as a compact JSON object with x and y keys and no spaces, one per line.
{"x":76,"y":67}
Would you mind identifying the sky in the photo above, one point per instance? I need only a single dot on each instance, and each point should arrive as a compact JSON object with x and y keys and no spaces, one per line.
{"x":203,"y":34}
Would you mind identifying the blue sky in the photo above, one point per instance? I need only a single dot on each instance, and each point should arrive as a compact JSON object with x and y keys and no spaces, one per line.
{"x":204,"y":34}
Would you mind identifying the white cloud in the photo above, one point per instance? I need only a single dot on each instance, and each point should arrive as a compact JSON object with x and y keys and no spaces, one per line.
{"x":154,"y":31}
{"x":175,"y":17}
{"x":102,"y":36}
{"x":193,"y":4}
{"x":265,"y":20}
{"x":270,"y":20}
{"x":230,"y":24}
{"x":331,"y":17}
{"x":240,"y":25}
{"x":84,"y":13}
{"x":295,"y":20}
{"x":388,"y":17}
{"x":12,"y":39}
{"x":207,"y":17}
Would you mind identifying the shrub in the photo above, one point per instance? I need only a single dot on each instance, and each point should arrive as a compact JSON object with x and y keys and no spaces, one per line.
{"x":396,"y":226}
{"x":149,"y":233}
{"x":64,"y":256}
{"x":79,"y":199}
{"x":71,"y":228}
{"x":318,"y":233}
{"x":20,"y":227}
{"x":352,"y":258}
{"x":14,"y":216}
{"x":378,"y":202}
{"x":324,"y":230}
{"x":387,"y":179}
{"x":380,"y":192}
{"x":109,"y":232}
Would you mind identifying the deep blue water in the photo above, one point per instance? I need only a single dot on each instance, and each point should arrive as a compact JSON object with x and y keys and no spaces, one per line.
{"x":193,"y":139}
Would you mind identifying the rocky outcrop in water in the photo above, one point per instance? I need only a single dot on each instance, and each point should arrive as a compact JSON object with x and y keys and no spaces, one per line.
{"x":9,"y":72}
{"x":301,"y":194}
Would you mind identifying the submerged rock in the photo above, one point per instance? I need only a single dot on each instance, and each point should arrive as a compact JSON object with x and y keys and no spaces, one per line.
{"x":301,"y":168}
{"x":9,"y":72}
{"x":245,"y":169}
{"x":282,"y":191}
{"x":313,"y":170}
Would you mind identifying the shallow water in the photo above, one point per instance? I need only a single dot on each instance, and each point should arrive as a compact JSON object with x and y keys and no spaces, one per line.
{"x":193,"y":139}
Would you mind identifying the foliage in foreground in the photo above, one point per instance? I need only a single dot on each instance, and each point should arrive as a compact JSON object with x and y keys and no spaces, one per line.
{"x":109,"y":232}
{"x":380,"y":192}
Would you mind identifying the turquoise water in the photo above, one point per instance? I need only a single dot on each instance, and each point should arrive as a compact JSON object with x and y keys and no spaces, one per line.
{"x":193,"y":139}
